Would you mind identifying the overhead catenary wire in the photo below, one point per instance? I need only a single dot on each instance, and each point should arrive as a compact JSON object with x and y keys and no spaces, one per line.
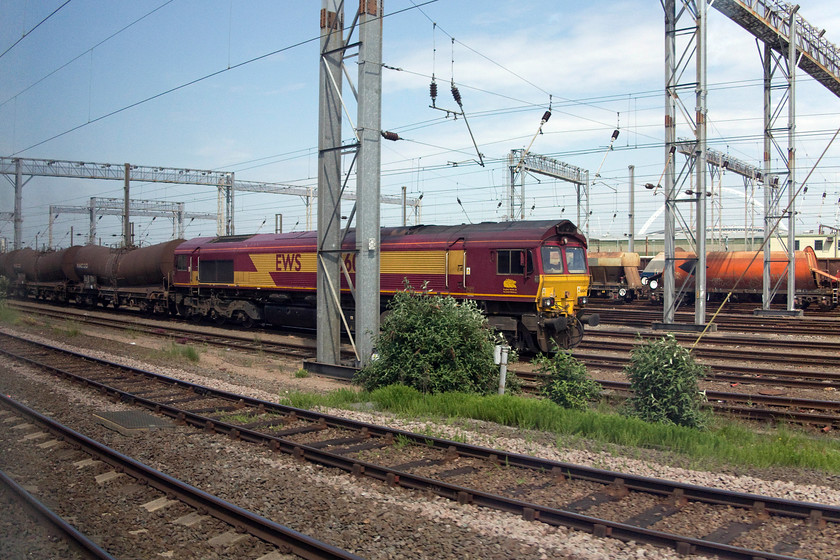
{"x":26,"y":33}
{"x":86,"y":51}
{"x":464,"y":164}
{"x":193,"y":82}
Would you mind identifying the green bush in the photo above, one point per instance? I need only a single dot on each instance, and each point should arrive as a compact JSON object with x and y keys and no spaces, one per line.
{"x":663,"y":376}
{"x":565,"y":382}
{"x":433,"y":344}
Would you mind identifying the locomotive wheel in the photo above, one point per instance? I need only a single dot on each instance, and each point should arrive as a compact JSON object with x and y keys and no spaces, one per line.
{"x":542,"y":340}
{"x":244,"y":320}
{"x":191,"y":314}
{"x":216,"y":317}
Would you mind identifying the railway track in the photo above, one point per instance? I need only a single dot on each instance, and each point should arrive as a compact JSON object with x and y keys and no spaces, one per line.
{"x":26,"y":427}
{"x":48,"y":533}
{"x":780,"y":370}
{"x":686,"y":518}
{"x":292,"y":347}
{"x":607,"y":351}
{"x":633,"y":316}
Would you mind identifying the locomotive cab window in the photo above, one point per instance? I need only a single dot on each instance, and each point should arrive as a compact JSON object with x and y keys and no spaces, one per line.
{"x":215,"y":272}
{"x":575,"y":260}
{"x":515,"y":261}
{"x":182,"y":262}
{"x":552,"y":260}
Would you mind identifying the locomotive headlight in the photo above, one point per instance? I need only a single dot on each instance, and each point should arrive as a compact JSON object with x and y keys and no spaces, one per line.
{"x":622,"y":292}
{"x":654,"y":284}
{"x":582,"y":301}
{"x":548,"y":302}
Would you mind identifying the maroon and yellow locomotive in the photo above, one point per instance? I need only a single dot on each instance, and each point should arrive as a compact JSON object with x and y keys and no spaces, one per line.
{"x":529,"y":277}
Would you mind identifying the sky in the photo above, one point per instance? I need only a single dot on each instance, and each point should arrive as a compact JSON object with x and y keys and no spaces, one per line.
{"x":233,"y":86}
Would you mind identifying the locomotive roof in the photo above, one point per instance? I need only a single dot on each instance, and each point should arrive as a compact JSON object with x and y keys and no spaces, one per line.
{"x":481,"y":232}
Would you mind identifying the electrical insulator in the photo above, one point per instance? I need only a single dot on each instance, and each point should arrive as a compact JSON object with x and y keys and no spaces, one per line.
{"x":457,"y":95}
{"x":433,"y":90}
{"x":392,"y":136}
{"x":615,"y":134}
{"x":804,"y":190}
{"x":546,"y":116}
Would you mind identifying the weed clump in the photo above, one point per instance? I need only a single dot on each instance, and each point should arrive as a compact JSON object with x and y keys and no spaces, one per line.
{"x":177,"y":351}
{"x":565,"y":382}
{"x":664,"y":378}
{"x":434,"y":344}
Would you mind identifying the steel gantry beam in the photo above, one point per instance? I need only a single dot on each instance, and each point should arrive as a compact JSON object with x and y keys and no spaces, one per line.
{"x":789,"y":41}
{"x":115,"y":207}
{"x":368,"y":176}
{"x":224,"y":181}
{"x":520,"y":160}
{"x":717,"y":162}
{"x":330,"y":188}
{"x":772,"y":22}
{"x":366,"y":151}
{"x":685,"y":28}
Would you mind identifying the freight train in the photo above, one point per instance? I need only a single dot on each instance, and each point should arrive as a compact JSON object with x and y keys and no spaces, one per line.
{"x":616,"y":276}
{"x":530,"y":278}
{"x":738,"y":272}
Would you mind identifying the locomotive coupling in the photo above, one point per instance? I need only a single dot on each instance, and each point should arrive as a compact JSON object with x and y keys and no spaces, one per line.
{"x":559,"y":324}
{"x":592,"y":320}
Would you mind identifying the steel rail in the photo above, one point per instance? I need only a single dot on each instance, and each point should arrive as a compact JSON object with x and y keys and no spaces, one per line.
{"x":598,"y":527}
{"x":644,"y":319}
{"x":232,"y":340}
{"x":813,"y":379}
{"x":256,"y":525}
{"x":733,"y":372}
{"x":748,"y":375}
{"x":720,"y":349}
{"x":793,"y":406}
{"x":730,"y":339}
{"x":73,"y":534}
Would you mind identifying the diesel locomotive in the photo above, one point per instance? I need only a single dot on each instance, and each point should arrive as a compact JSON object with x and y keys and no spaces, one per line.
{"x":530,"y":278}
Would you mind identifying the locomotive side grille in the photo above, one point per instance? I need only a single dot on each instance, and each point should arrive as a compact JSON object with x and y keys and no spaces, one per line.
{"x":412,"y":262}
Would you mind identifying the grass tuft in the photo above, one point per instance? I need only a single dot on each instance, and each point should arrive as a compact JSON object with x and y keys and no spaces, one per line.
{"x":8,"y":315}
{"x":177,"y":351}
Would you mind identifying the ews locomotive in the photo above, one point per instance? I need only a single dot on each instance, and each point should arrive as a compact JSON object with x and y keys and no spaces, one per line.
{"x":530,"y":277}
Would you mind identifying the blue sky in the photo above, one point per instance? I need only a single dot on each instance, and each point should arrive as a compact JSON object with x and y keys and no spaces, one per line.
{"x":599,"y":63}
